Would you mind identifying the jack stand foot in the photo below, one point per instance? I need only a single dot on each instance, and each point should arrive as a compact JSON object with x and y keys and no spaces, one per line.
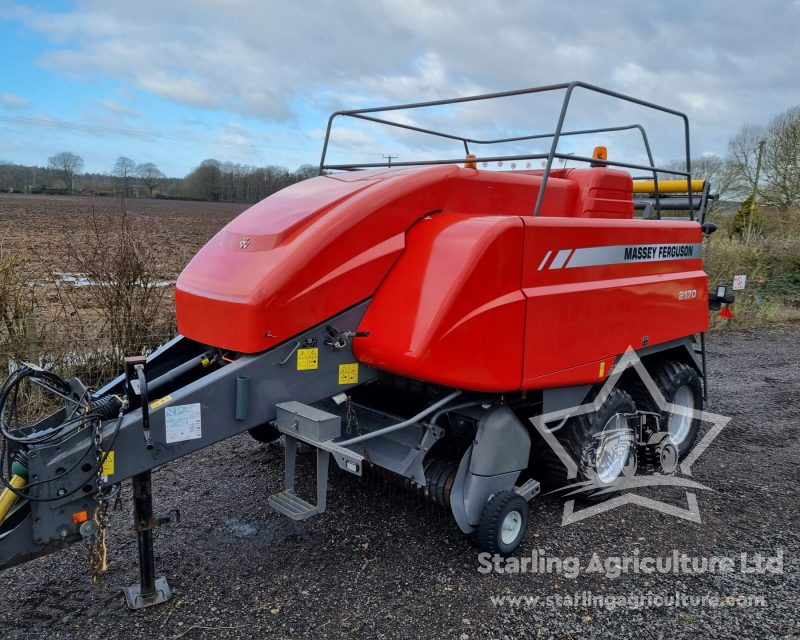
{"x":135,"y":599}
{"x":150,"y":590}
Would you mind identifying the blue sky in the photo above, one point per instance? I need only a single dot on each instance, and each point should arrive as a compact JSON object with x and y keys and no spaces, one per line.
{"x":44,"y":109}
{"x":252,"y":81}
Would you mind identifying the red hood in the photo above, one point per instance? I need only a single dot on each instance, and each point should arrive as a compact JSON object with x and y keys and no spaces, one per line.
{"x":301,"y":256}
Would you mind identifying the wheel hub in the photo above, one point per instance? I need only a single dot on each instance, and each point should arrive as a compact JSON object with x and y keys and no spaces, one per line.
{"x":680,"y":423}
{"x":512,"y":524}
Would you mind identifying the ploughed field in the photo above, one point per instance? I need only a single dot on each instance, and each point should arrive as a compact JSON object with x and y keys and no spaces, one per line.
{"x":45,"y":226}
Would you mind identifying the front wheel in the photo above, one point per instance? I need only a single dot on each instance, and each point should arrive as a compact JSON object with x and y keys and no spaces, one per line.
{"x":504,"y":521}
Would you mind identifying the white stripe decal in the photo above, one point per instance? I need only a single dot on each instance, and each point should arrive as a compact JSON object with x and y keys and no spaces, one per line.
{"x":622,"y":254}
{"x":560,"y":259}
{"x":544,"y":260}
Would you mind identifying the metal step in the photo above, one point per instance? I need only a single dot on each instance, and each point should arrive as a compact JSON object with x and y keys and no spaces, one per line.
{"x":290,"y":505}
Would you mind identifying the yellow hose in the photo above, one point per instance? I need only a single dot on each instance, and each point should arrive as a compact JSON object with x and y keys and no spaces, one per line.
{"x":8,"y":498}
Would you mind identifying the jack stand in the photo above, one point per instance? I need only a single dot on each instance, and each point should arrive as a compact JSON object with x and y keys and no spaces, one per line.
{"x":150,"y":591}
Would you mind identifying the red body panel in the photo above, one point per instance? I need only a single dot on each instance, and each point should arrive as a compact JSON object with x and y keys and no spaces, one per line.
{"x":578,"y":317}
{"x":451,"y":310}
{"x":470,"y":290}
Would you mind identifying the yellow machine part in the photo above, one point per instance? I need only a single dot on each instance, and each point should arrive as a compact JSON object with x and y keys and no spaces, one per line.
{"x":8,"y":498}
{"x":666,"y":186}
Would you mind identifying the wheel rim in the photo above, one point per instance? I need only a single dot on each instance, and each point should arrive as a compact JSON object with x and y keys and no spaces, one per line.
{"x":512,"y":525}
{"x":679,"y":423}
{"x":613,"y":450}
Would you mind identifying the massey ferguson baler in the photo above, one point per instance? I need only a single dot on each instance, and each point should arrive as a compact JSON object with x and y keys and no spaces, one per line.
{"x":409,"y":320}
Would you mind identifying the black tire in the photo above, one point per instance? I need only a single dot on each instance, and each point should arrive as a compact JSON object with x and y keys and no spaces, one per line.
{"x":670,"y":377}
{"x":501,"y":507}
{"x":585,"y":437}
{"x":265,"y":433}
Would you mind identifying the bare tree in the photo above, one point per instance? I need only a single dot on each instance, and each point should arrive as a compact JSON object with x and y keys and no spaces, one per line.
{"x":306,"y":171}
{"x":124,"y":169}
{"x":717,"y":172}
{"x":151,"y":175}
{"x":713,"y":169}
{"x":779,"y":181}
{"x":206,"y":180}
{"x":781,"y":161}
{"x":742,"y":158}
{"x":66,"y":165}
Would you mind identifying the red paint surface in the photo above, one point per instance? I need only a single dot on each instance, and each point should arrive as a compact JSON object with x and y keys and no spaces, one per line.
{"x":452,"y":257}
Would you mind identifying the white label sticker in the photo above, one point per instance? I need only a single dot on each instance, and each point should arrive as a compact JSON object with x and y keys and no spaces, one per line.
{"x":183,"y":422}
{"x":739,"y":282}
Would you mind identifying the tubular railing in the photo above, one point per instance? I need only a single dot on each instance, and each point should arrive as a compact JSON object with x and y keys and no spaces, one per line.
{"x":556,"y":136}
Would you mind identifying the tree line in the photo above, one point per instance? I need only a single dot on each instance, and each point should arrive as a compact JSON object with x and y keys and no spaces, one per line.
{"x":211,"y":180}
{"x":762,"y":165}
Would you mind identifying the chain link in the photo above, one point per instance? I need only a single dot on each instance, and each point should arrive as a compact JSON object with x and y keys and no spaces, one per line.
{"x":352,"y":419}
{"x":97,"y":549}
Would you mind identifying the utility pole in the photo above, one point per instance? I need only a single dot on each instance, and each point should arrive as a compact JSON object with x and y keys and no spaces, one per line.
{"x":758,"y":168}
{"x":755,"y":186}
{"x":390,"y":157}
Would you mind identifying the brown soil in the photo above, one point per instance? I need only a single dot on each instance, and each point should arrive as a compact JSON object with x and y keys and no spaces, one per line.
{"x":45,"y":225}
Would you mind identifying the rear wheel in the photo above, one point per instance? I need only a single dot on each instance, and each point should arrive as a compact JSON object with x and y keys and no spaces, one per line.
{"x":680,"y":385}
{"x":600,"y":443}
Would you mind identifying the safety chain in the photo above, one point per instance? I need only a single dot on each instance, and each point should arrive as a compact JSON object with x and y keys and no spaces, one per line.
{"x":97,"y":550}
{"x":352,"y":419}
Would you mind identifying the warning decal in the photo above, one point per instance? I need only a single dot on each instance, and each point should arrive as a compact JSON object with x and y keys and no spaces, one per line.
{"x":348,"y":373}
{"x":307,"y":359}
{"x":108,"y":465}
{"x":157,"y":403}
{"x":183,"y":422}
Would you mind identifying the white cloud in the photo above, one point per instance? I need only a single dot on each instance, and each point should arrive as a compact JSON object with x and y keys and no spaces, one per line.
{"x":12,"y":101}
{"x":119,"y":109}
{"x":185,"y":90}
{"x":280,"y":61}
{"x":632,"y":77}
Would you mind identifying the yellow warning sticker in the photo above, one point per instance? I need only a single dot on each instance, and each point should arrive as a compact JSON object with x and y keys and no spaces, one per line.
{"x":157,"y":403}
{"x":108,"y":465}
{"x":307,"y":359}
{"x":348,"y":373}
{"x":602,"y":370}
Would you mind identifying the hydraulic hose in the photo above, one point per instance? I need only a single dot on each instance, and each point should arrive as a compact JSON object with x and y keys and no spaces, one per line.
{"x":19,"y":479}
{"x":400,"y":425}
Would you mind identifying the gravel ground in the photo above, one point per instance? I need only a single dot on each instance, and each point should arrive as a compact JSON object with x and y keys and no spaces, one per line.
{"x":380,"y":565}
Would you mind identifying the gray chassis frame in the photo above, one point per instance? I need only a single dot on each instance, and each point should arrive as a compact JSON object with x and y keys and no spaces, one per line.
{"x":256,"y":389}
